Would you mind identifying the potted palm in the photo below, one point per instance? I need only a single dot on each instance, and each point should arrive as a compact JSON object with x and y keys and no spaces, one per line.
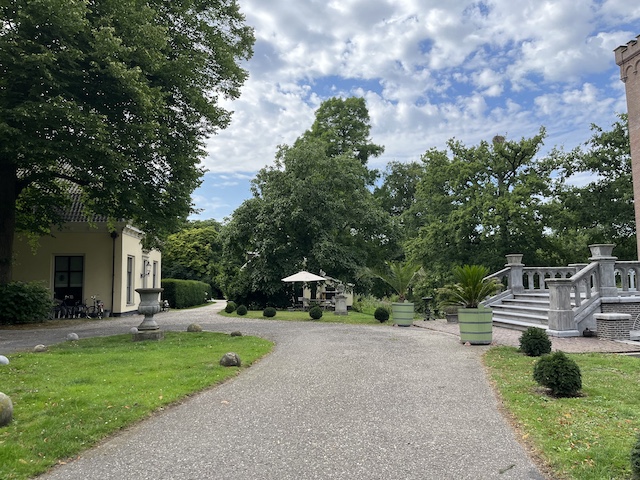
{"x":399,"y":276}
{"x":470,"y":289}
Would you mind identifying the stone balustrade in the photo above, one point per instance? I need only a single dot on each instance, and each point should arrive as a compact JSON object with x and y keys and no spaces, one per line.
{"x":576,"y":292}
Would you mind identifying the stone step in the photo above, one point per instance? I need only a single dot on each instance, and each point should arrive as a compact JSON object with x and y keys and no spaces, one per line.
{"x":525,"y":317}
{"x":517,"y":324}
{"x":540,"y":310}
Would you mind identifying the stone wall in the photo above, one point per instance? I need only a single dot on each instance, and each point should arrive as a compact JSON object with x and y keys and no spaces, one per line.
{"x":614,"y":326}
{"x":632,"y":308}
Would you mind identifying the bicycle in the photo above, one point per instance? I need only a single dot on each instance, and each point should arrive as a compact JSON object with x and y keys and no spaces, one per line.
{"x":96,"y":310}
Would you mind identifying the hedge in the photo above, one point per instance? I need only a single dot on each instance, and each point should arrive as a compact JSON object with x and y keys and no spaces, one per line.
{"x":185,"y":293}
{"x":24,"y":303}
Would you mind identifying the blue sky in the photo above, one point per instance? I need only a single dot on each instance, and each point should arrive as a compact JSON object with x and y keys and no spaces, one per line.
{"x":429,"y":70}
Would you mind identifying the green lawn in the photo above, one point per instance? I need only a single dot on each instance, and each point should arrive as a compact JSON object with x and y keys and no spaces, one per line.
{"x":299,"y":316}
{"x":588,"y":437}
{"x":69,"y":398}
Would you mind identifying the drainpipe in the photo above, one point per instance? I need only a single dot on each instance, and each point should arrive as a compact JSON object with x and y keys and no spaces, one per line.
{"x":114,"y":235}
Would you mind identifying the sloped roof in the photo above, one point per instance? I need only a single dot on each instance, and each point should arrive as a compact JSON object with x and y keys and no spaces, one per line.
{"x":75,"y":211}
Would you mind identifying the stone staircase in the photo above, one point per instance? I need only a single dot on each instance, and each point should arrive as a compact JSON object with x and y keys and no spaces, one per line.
{"x":522,"y":311}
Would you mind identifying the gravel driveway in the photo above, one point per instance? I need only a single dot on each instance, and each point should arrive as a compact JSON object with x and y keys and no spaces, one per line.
{"x":332,"y":401}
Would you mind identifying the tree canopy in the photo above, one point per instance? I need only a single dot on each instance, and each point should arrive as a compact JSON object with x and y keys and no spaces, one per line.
{"x":310,"y":210}
{"x":342,"y":125}
{"x":475,"y":204}
{"x":592,"y":200}
{"x":194,"y":253}
{"x":116,"y":98}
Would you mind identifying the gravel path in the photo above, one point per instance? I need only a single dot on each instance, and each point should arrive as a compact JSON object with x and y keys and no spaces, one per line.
{"x":332,"y":401}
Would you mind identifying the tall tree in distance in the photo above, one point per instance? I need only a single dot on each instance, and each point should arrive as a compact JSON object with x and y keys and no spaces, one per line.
{"x":312,"y":210}
{"x":476,"y":204}
{"x":343,"y":126}
{"x":194,"y":253}
{"x":115,"y":98}
{"x":600,"y":209}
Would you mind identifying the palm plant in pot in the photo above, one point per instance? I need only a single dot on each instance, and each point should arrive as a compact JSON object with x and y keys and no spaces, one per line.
{"x":400,"y":276}
{"x":471,"y":288}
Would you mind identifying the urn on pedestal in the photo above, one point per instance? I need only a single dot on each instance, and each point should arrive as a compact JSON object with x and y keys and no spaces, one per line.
{"x":149,"y":306}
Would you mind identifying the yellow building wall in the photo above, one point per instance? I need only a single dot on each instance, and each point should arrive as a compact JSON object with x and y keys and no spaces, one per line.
{"x":105,"y":263}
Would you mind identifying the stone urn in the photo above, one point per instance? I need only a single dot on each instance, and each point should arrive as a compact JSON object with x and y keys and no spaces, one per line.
{"x":149,"y":306}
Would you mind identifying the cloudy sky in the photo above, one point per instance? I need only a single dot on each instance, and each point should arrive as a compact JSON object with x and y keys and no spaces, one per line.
{"x":429,"y":70}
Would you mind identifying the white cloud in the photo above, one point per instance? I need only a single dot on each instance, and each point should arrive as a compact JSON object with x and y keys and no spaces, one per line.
{"x":429,"y":70}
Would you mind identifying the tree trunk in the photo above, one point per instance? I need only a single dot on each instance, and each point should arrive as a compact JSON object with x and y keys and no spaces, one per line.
{"x":8,"y":189}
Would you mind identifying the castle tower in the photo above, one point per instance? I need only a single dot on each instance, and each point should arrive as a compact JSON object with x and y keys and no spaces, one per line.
{"x":628,"y":58}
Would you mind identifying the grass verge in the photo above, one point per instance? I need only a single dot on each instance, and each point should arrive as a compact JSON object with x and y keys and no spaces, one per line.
{"x":298,"y":316}
{"x":77,"y":393}
{"x":588,"y":437}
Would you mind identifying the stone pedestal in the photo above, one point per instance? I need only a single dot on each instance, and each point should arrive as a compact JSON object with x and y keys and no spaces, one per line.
{"x":149,"y":306}
{"x":514,"y":261}
{"x":341,"y":305}
{"x":602,"y":253}
{"x":561,"y":322}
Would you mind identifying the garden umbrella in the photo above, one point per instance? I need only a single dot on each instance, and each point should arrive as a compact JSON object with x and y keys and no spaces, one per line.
{"x":303,"y":276}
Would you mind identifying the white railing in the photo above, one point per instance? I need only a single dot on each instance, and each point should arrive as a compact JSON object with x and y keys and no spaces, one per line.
{"x":627,"y":276}
{"x":575,"y":291}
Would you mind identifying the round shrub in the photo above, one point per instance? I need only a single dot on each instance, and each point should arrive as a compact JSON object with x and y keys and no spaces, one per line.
{"x":269,"y":312}
{"x":315,"y":312}
{"x":559,"y":373}
{"x":241,"y":310}
{"x":381,"y":314}
{"x":535,"y":342}
{"x":635,"y":460}
{"x":230,"y":308}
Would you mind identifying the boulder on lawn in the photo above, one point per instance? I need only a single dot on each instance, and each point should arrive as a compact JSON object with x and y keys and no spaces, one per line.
{"x":230,"y":359}
{"x":6,"y":410}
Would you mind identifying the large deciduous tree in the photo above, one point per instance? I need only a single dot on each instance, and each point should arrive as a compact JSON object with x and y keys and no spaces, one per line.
{"x":342,"y":125}
{"x":476,"y":204}
{"x":593,"y":195}
{"x":114,"y":97}
{"x":312,"y":209}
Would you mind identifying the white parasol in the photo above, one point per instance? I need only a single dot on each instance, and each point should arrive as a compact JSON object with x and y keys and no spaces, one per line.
{"x":303,"y":276}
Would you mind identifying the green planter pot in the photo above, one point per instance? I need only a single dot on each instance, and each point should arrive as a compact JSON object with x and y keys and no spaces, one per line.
{"x":476,"y":325}
{"x":402,"y":314}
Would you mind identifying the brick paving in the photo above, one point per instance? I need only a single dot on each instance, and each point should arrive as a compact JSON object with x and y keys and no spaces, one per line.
{"x":506,"y":336}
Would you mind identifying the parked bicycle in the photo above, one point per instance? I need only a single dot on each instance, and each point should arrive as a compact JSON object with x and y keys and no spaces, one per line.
{"x":96,"y":310}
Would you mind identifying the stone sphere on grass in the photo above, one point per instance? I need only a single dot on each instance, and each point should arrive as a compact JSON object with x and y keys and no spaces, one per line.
{"x":6,"y":410}
{"x":230,"y":359}
{"x":72,"y":337}
{"x":40,"y":348}
{"x":194,"y":327}
{"x":4,"y":360}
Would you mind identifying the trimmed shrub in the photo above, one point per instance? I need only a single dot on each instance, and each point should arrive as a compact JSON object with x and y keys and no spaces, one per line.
{"x":269,"y":312}
{"x":24,"y":303}
{"x":231,"y":307}
{"x":381,"y":314}
{"x":185,"y":293}
{"x":535,"y":342}
{"x":635,"y":460}
{"x":559,"y":373}
{"x":241,"y":310}
{"x":315,"y":313}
